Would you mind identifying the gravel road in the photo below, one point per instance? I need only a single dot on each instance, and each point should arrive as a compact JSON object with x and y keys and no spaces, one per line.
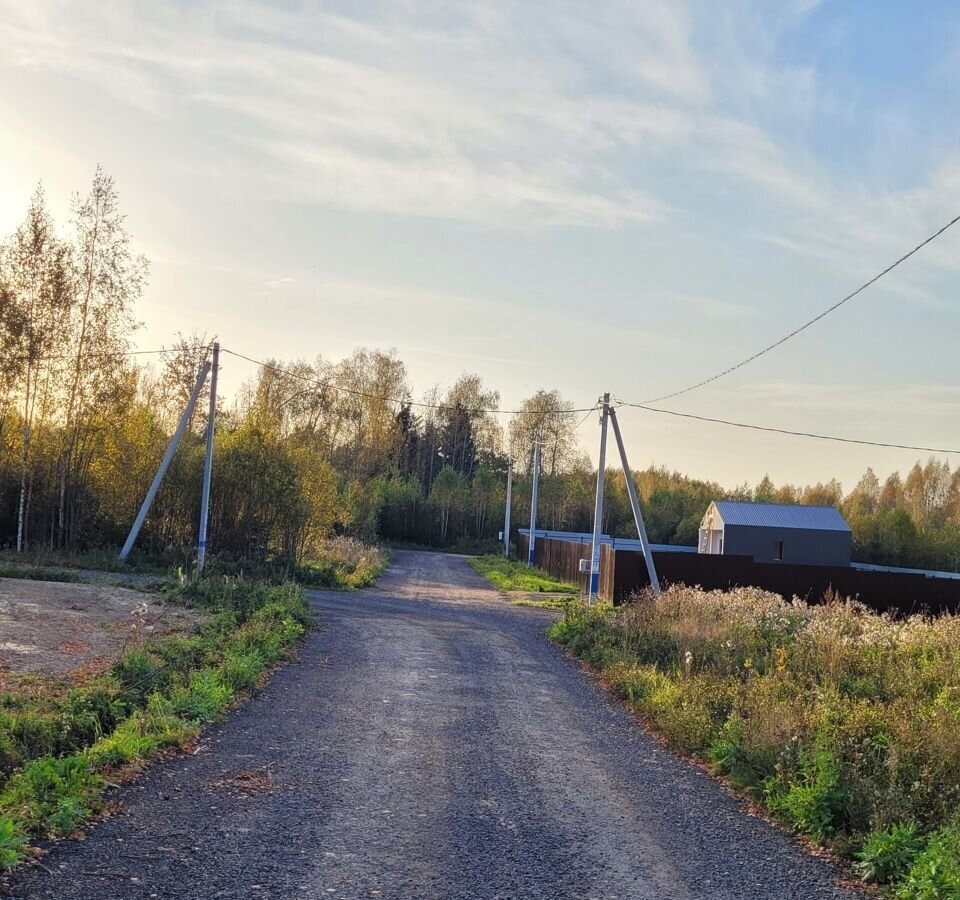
{"x":429,"y":742}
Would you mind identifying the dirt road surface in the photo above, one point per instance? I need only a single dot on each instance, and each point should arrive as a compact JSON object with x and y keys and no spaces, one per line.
{"x":55,"y":628}
{"x":430,"y":743}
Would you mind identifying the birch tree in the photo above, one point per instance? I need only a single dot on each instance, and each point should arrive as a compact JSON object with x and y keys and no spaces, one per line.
{"x":108,"y":279}
{"x":37,"y":278}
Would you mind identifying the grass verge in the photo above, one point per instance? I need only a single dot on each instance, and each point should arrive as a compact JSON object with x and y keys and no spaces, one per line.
{"x":843,"y":723}
{"x":510,"y":575}
{"x":338,"y":564}
{"x":60,"y":746}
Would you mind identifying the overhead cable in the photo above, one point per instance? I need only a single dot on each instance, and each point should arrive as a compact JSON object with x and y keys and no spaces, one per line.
{"x":806,"y":434}
{"x":808,"y":323}
{"x":106,"y":354}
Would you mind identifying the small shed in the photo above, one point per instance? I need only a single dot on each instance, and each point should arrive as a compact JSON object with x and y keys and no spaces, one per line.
{"x":776,"y":532}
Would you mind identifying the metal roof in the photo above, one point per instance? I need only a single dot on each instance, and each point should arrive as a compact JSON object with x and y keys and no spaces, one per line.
{"x":780,"y":515}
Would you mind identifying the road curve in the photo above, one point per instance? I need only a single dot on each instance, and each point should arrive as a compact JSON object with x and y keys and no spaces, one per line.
{"x":429,"y":743}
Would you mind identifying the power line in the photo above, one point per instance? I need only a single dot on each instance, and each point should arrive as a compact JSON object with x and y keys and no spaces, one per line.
{"x":810,"y":322}
{"x":104,"y":354}
{"x":576,"y":427}
{"x":806,"y":434}
{"x":422,"y":405}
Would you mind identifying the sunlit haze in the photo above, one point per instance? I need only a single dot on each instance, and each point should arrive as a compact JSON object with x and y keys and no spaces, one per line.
{"x":588,"y":197}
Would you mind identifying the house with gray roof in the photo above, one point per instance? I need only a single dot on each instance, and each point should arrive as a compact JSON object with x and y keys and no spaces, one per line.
{"x":776,"y":532}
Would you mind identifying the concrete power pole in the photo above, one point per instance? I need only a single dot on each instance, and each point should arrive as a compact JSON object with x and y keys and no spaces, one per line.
{"x":598,"y":506}
{"x":533,"y":502}
{"x":208,"y":462}
{"x":165,"y":463}
{"x":635,"y":505}
{"x":506,"y":511}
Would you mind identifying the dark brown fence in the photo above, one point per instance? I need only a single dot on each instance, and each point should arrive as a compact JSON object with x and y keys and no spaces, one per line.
{"x":623,"y":572}
{"x":560,"y":558}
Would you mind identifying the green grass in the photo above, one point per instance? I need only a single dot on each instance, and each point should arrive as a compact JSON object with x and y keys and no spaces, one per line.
{"x":60,"y":745}
{"x":510,"y":575}
{"x":336,"y":564}
{"x":843,"y":723}
{"x":103,"y":560}
{"x":38,"y":573}
{"x":557,"y":603}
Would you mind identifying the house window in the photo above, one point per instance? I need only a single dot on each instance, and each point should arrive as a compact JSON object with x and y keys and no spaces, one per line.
{"x":778,"y":550}
{"x":721,"y":545}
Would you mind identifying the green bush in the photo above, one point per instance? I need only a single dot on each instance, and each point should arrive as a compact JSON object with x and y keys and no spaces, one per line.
{"x":52,"y":795}
{"x":136,"y":671}
{"x":88,"y":714}
{"x":935,"y":873}
{"x":887,"y":856}
{"x":12,"y":843}
{"x":814,"y":804}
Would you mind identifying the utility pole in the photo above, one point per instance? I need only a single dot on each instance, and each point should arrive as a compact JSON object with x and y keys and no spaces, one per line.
{"x":208,"y":461}
{"x":165,"y":463}
{"x":533,"y":501}
{"x":635,"y":504}
{"x":506,"y":511}
{"x":598,"y":506}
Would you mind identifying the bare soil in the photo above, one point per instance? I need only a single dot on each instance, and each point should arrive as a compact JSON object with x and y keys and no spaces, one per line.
{"x":56,"y":629}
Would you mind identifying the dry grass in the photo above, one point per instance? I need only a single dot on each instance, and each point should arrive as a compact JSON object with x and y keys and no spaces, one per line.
{"x":844,"y":722}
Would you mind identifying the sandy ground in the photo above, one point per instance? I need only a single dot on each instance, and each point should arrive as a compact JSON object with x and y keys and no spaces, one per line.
{"x":55,"y":629}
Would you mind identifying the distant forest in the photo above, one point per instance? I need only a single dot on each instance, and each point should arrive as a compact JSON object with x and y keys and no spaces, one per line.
{"x":309,"y":450}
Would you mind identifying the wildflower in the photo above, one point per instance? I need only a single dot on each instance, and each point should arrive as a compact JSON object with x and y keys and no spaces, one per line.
{"x":781,"y":659}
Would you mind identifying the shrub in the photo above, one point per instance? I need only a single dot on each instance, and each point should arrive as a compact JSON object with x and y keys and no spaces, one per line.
{"x":53,"y":795}
{"x":935,"y":873}
{"x":814,"y":804}
{"x":136,"y":671}
{"x":88,"y":714}
{"x":12,"y":843}
{"x":887,"y":856}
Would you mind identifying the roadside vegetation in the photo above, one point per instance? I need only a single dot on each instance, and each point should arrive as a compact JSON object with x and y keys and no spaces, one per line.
{"x":511,"y":575}
{"x":843,"y":723}
{"x":84,"y":423}
{"x":63,"y":741}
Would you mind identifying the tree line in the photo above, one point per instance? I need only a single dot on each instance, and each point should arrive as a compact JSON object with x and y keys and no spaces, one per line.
{"x":311,"y":449}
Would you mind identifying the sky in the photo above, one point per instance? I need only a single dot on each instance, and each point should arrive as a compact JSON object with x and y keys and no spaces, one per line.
{"x":584,"y":196}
